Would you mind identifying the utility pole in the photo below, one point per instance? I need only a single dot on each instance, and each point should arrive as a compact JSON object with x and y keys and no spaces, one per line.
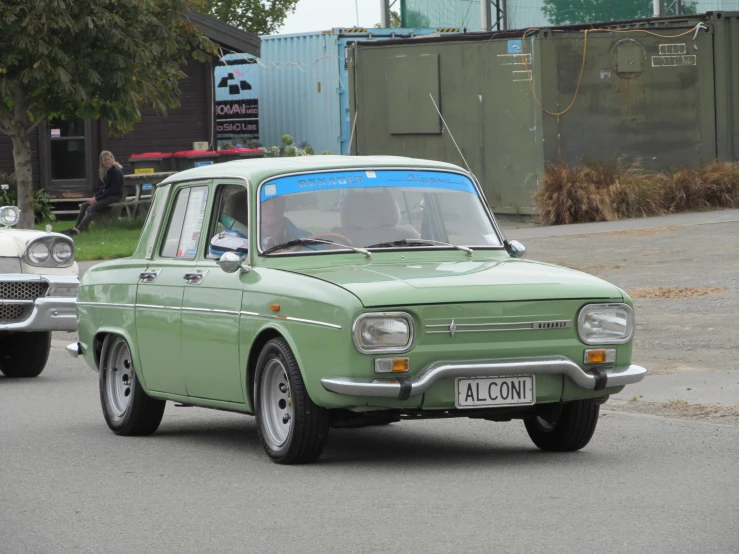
{"x":385,"y":14}
{"x":501,"y":15}
{"x":485,"y":15}
{"x":658,"y":8}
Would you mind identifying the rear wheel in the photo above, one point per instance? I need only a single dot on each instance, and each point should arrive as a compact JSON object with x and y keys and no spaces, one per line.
{"x":24,"y":354}
{"x":570,"y":430}
{"x":292,"y":429}
{"x":127,"y":409}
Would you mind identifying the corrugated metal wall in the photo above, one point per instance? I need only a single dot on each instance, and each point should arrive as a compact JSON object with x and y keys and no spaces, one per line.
{"x":667,"y":99}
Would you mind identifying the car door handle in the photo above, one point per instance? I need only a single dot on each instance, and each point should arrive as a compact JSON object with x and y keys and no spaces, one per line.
{"x":195,"y":278}
{"x":149,"y":276}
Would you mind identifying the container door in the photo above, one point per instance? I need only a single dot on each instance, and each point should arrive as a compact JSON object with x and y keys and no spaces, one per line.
{"x":212,"y":305}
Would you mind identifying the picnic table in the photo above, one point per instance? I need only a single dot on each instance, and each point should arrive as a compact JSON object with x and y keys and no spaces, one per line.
{"x":143,"y":185}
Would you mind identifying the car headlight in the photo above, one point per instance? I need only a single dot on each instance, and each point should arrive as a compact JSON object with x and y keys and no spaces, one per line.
{"x":38,"y":253}
{"x":383,"y":332}
{"x":9,"y":215}
{"x":62,"y":252}
{"x":606,"y":323}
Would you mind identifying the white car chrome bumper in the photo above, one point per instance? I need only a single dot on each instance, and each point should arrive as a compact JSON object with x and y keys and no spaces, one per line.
{"x":56,"y":310}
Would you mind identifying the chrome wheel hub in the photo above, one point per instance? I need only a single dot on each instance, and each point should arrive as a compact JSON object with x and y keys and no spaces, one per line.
{"x":119,"y":378}
{"x":276,"y":406}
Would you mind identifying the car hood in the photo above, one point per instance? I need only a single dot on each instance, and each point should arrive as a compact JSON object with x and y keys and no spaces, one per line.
{"x":395,"y":284}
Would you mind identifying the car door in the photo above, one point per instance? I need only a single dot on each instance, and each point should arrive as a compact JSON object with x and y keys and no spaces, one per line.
{"x":160,"y":291}
{"x":211,"y":308}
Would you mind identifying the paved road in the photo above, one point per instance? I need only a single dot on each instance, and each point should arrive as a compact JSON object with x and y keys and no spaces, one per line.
{"x":203,"y":484}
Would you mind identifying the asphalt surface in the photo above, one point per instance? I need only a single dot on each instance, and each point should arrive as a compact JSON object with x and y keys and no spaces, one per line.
{"x":202,"y":483}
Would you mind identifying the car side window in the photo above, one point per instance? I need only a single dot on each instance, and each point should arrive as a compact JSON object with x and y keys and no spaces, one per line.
{"x":229,"y":225}
{"x":183,"y":231}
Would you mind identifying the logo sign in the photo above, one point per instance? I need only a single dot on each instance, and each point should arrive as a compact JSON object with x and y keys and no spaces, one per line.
{"x":236,"y":80}
{"x":515,"y":46}
{"x":56,"y":133}
{"x":201,"y":164}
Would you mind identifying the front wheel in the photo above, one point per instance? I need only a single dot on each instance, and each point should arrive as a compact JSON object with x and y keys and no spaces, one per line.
{"x":570,"y":431}
{"x":24,"y":354}
{"x":127,"y":409}
{"x":291,"y":428}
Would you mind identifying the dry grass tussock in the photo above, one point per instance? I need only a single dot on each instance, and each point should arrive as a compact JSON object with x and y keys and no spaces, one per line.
{"x":673,"y":292}
{"x":619,"y":189}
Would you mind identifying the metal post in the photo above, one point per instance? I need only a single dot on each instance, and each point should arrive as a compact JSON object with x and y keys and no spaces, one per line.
{"x":657,"y":7}
{"x":504,"y":7}
{"x":680,"y":7}
{"x":485,"y":16}
{"x":385,"y":14}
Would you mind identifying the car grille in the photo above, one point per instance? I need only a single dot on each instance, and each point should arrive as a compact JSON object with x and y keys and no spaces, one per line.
{"x":19,"y":290}
{"x":22,"y":290}
{"x":13,"y":313}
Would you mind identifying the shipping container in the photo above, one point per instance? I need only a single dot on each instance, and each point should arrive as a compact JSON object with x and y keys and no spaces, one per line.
{"x":662,"y":90}
{"x":303,"y":85}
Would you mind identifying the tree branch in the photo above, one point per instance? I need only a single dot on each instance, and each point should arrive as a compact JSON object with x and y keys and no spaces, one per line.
{"x":39,"y":121}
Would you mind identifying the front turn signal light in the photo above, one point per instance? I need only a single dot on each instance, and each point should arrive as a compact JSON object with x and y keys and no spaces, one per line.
{"x":600,"y":356}
{"x":392,"y":365}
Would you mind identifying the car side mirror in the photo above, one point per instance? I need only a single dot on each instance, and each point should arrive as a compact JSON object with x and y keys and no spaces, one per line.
{"x":231,"y":262}
{"x":516,"y":249}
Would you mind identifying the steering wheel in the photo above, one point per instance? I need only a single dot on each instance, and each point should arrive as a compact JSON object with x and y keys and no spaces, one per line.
{"x":324,"y":236}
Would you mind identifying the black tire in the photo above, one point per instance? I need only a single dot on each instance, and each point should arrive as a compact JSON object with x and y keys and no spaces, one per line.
{"x":302,"y":439}
{"x":127,"y":409}
{"x":24,"y":354}
{"x":572,"y":431}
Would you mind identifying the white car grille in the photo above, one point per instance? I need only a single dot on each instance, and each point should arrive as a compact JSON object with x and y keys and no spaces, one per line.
{"x":19,"y":290}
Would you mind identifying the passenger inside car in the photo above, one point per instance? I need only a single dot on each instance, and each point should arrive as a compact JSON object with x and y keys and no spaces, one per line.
{"x":371,"y":217}
{"x":233,"y":227}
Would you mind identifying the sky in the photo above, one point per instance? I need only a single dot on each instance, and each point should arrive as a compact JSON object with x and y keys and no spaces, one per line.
{"x":321,"y":15}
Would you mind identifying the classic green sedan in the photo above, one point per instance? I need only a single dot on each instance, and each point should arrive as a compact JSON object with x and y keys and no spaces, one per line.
{"x":322,"y":291}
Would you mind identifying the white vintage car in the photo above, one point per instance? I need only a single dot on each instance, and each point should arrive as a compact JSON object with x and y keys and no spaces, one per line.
{"x":38,"y":291}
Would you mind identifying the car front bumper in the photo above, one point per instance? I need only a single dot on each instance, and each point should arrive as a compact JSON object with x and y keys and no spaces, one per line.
{"x":55,"y":311}
{"x":403,"y":388}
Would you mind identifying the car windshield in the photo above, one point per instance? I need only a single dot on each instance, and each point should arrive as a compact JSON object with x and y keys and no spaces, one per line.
{"x":380,"y":209}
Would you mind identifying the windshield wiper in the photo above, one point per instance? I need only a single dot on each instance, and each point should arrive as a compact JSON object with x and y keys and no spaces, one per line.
{"x":304,"y":241}
{"x":420,"y":242}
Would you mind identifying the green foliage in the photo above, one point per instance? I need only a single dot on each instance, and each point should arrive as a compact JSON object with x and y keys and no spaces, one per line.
{"x":325,"y":153}
{"x":42,"y":209}
{"x":564,"y":12}
{"x":395,"y":20}
{"x":289,"y":149}
{"x":617,"y":189}
{"x":255,"y":16}
{"x":93,"y":59}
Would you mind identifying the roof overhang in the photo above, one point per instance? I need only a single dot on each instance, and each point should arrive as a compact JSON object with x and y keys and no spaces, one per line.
{"x":227,"y":35}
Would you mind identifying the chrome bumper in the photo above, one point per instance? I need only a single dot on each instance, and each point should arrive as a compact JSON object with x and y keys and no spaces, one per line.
{"x":403,"y":388}
{"x":49,"y":313}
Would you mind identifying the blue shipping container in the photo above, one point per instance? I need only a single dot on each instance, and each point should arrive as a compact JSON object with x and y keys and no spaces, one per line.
{"x":304,"y":88}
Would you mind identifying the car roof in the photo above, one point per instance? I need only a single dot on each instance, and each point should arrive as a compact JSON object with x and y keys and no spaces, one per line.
{"x":258,"y":169}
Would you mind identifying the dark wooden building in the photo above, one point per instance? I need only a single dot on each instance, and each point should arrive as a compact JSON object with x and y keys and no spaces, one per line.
{"x":65,"y":153}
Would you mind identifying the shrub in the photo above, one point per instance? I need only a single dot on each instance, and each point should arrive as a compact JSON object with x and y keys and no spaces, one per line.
{"x":42,"y":209}
{"x":618,"y":189}
{"x":288,"y":148}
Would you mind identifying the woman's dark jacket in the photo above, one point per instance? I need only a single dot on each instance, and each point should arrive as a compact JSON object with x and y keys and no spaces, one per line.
{"x":112,"y":184}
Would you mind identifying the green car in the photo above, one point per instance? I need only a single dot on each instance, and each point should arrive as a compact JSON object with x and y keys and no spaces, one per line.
{"x":333,"y":291}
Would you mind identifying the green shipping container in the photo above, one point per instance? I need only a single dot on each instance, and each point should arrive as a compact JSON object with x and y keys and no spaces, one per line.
{"x":663,"y":90}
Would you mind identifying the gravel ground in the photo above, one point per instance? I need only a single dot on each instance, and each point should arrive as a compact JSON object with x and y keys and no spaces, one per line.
{"x":681,"y":332}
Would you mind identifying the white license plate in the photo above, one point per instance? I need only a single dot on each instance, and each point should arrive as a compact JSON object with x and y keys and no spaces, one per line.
{"x":481,"y":392}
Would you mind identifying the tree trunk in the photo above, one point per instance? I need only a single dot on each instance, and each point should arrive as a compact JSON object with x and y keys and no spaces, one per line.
{"x":24,"y":176}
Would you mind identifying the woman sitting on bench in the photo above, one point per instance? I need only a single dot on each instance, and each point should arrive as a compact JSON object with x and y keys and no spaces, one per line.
{"x":110,"y":193}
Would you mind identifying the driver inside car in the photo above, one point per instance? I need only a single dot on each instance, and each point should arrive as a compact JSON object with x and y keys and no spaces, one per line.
{"x":234,"y":219}
{"x":276,"y":228}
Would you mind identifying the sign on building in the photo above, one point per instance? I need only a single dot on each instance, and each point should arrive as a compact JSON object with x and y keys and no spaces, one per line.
{"x":236,"y":99}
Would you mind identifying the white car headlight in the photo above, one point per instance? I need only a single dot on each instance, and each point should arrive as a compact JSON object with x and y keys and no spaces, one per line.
{"x":62,"y":252}
{"x":38,"y":253}
{"x":606,"y":323}
{"x":383,"y":332}
{"x":9,"y":215}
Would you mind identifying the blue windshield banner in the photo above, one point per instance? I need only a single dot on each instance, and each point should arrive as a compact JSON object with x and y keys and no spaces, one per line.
{"x":335,"y":180}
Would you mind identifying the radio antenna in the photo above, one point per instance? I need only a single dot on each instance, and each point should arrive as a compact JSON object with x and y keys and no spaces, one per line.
{"x":506,"y":244}
{"x":450,"y":134}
